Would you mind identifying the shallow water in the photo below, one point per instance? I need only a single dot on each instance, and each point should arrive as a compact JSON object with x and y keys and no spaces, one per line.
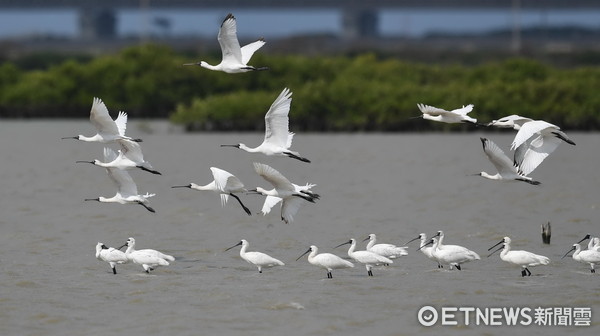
{"x":395,"y":186}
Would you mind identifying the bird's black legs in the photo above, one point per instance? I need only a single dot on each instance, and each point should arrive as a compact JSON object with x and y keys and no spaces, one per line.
{"x":528,"y":272}
{"x":114,"y":270}
{"x":370,"y":273}
{"x":458,"y":267}
{"x":242,"y":204}
{"x":329,"y":276}
{"x":294,"y":156}
{"x":147,"y":207}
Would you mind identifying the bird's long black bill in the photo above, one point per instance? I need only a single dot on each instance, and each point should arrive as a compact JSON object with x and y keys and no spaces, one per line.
{"x":229,"y":248}
{"x":303,"y":254}
{"x":498,"y":249}
{"x":346,"y":243}
{"x":569,"y":251}
{"x":412,"y":240}
{"x":498,"y":243}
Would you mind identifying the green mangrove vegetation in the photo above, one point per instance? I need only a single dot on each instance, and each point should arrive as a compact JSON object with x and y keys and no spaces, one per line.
{"x":363,"y":92}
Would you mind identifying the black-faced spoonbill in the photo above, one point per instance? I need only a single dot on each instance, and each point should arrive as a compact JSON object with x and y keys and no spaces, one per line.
{"x":271,"y":201}
{"x":148,"y":258}
{"x":224,"y":184}
{"x":108,"y":130}
{"x":127,"y":192}
{"x":423,"y":247}
{"x":130,"y":156}
{"x":451,"y":117}
{"x":257,"y":259}
{"x":387,"y":250}
{"x":524,"y":259}
{"x":235,"y":59}
{"x":534,"y":142}
{"x":454,"y":255}
{"x":327,"y":261}
{"x":111,"y":255}
{"x":506,"y":170}
{"x":278,"y":138}
{"x":512,"y":121}
{"x":292,"y":198}
{"x":370,"y":259}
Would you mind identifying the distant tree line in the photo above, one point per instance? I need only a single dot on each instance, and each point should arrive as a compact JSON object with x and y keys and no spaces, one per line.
{"x":363,"y":92}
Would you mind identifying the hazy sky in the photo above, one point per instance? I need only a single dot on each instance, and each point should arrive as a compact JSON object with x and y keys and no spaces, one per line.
{"x":282,"y":23}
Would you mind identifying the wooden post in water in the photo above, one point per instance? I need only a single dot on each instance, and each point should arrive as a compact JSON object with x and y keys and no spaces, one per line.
{"x":546,"y":233}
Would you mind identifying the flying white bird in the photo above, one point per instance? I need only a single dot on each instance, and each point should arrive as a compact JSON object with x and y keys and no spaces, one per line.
{"x":590,"y":256}
{"x":278,"y":138}
{"x":130,"y":156}
{"x":534,"y":142}
{"x":111,"y":255}
{"x":451,"y":117}
{"x":235,"y":59}
{"x":148,"y":258}
{"x":504,"y":166}
{"x":387,"y":250}
{"x":292,"y":198}
{"x":423,"y":247}
{"x":257,"y":259}
{"x":224,"y":184}
{"x":524,"y":259}
{"x":512,"y":121}
{"x":327,"y":261}
{"x":368,"y":258}
{"x":271,"y":201}
{"x":126,"y":190}
{"x":108,"y":130}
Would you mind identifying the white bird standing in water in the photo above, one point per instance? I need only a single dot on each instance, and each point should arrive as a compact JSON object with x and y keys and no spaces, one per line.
{"x":451,"y":117}
{"x":257,"y":259}
{"x":111,"y":255}
{"x":278,"y":138}
{"x":326,"y":260}
{"x":130,"y":156}
{"x":368,"y":258}
{"x":148,"y":258}
{"x":235,"y":59}
{"x":225,"y":184}
{"x":292,"y":198}
{"x":127,"y":192}
{"x":454,"y":255}
{"x":387,"y":250}
{"x":524,"y":259}
{"x":423,"y":247}
{"x":589,"y":256}
{"x":504,"y":166}
{"x":108,"y":130}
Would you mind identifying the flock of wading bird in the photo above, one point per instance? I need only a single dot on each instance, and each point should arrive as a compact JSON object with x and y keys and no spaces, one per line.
{"x":535,"y":140}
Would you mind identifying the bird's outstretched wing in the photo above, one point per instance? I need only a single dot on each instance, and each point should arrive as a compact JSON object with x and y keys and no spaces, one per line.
{"x":123,"y":181}
{"x":532,"y":152}
{"x":225,"y":181}
{"x":109,"y":155}
{"x":497,"y":157}
{"x":132,"y":150}
{"x":289,"y":208}
{"x":101,"y":119}
{"x":273,"y":176}
{"x":249,"y":49}
{"x":230,"y":47}
{"x":463,"y":110}
{"x":121,"y":122}
{"x":277,"y":121}
{"x":528,"y":130}
{"x":432,"y":110}
{"x":270,"y":202}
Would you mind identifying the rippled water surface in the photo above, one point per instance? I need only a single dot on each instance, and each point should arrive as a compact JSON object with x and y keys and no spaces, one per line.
{"x":395,"y":186}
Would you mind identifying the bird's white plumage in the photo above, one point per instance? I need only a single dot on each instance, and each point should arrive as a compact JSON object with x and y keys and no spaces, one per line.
{"x":506,"y":170}
{"x":130,"y":156}
{"x":257,"y":259}
{"x":455,"y":116}
{"x":590,"y":256}
{"x":291,"y":195}
{"x":234,"y":59}
{"x":453,"y":255}
{"x":148,"y":258}
{"x":524,"y":259}
{"x":278,"y":138}
{"x":387,"y":250}
{"x":111,"y":255}
{"x":326,"y":260}
{"x":512,"y":121}
{"x":224,"y":183}
{"x":368,"y":258}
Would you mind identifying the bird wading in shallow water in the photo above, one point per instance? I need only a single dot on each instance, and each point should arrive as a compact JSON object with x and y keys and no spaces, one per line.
{"x":257,"y":259}
{"x":524,"y":259}
{"x":327,"y":261}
